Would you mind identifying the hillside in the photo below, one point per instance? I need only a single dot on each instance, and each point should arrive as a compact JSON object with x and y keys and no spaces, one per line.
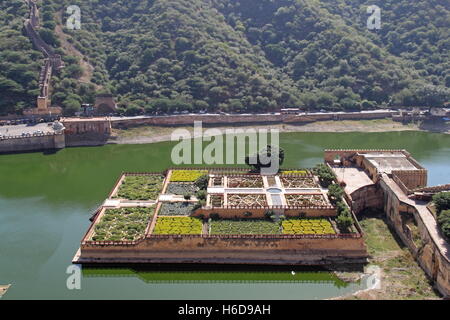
{"x":156,"y":55}
{"x":19,"y":63}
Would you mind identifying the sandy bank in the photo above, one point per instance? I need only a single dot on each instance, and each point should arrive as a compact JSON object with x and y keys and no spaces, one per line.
{"x":152,"y":134}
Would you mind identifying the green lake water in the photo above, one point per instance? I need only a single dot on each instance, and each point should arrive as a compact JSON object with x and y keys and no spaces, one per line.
{"x":47,"y":199}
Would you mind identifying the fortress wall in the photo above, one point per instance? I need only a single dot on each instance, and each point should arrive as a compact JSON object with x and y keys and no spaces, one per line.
{"x":85,"y":126}
{"x":367,"y":197}
{"x":258,"y":213}
{"x":87,"y":132}
{"x":336,"y":116}
{"x":428,"y":255}
{"x":231,"y":250}
{"x":34,"y":143}
{"x":411,"y":179}
{"x":189,"y":120}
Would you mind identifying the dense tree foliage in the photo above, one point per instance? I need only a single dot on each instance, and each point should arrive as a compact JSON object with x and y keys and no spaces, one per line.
{"x":234,"y":56}
{"x":19,"y":63}
{"x":441,"y":201}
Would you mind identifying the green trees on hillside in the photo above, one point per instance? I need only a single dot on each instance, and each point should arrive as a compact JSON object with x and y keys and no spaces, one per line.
{"x":19,"y":63}
{"x":235,"y":56}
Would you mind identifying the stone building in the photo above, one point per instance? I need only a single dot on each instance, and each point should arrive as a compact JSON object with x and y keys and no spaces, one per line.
{"x":393,"y":181}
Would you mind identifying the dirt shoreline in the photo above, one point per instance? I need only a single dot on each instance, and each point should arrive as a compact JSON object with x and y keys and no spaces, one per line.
{"x":153,"y":134}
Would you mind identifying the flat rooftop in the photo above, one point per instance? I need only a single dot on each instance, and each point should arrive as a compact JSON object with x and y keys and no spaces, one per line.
{"x":354,"y":178}
{"x":387,"y":162}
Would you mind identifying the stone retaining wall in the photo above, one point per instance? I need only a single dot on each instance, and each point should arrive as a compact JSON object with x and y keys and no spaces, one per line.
{"x":33,"y":143}
{"x":262,"y":250}
{"x":220,"y":119}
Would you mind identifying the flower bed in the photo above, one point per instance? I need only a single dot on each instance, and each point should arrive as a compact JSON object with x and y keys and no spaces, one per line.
{"x":178,"y":225}
{"x":238,"y":227}
{"x":301,"y":200}
{"x":186,"y":175}
{"x":140,"y":187}
{"x":125,"y":224}
{"x":247,"y":200}
{"x":294,"y":172}
{"x":176,"y":209}
{"x":245,"y":182}
{"x":217,"y":181}
{"x":181,"y":188}
{"x":307,"y":226}
{"x":298,"y":182}
{"x":216,"y":200}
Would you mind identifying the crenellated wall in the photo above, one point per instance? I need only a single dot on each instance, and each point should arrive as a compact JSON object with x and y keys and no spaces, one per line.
{"x":33,"y":143}
{"x":412,"y":179}
{"x":52,"y":61}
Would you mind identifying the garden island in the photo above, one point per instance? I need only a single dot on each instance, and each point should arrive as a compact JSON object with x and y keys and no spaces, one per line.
{"x":228,"y":216}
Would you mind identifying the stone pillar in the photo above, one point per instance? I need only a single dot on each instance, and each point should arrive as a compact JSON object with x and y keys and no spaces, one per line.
{"x":59,"y":141}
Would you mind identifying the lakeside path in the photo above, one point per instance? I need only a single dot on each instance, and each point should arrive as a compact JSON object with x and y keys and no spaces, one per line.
{"x":152,"y":134}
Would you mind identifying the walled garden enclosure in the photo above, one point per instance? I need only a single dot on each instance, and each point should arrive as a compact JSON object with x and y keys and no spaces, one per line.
{"x":188,"y":211}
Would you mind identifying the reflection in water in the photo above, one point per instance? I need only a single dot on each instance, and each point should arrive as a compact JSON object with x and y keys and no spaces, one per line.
{"x":219,"y":274}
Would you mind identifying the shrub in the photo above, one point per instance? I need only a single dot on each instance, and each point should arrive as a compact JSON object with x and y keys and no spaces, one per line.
{"x":344,"y":218}
{"x":214,"y":216}
{"x":344,"y":221}
{"x":444,"y":223}
{"x":201,"y":195}
{"x":269,"y":213}
{"x":335,"y":193}
{"x":256,"y":161}
{"x":325,"y":174}
{"x":187,"y":196}
{"x":199,"y":205}
{"x":202,"y":182}
{"x":441,"y":201}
